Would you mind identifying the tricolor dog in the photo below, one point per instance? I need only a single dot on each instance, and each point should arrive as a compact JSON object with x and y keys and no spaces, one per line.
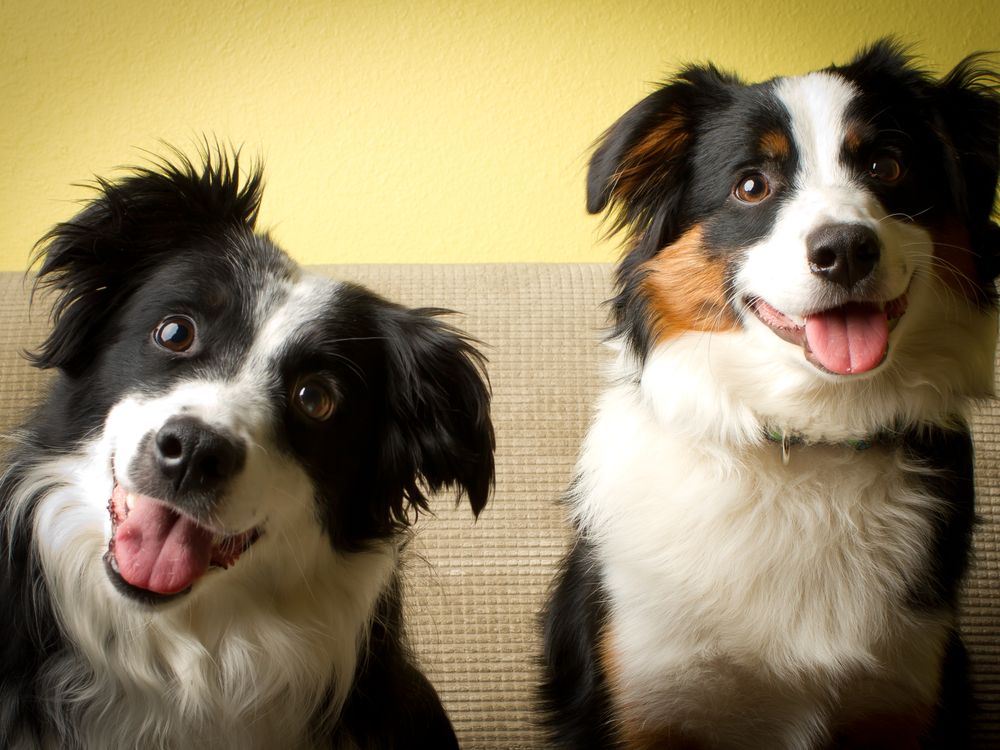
{"x":774,"y":503}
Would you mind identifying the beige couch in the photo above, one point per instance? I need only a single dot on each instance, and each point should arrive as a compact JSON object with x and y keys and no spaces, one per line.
{"x":476,"y":588}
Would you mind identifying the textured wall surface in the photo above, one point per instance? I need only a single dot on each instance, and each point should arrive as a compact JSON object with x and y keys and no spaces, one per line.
{"x":394,"y":131}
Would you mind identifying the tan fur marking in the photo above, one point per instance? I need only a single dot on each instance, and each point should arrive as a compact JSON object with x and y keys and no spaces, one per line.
{"x":607,"y":654}
{"x":774,"y":145}
{"x":686,"y":289}
{"x":632,"y":734}
{"x":854,"y":139}
{"x":656,"y":148}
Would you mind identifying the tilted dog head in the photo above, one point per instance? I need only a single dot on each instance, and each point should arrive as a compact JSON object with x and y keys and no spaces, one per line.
{"x":231,"y":404}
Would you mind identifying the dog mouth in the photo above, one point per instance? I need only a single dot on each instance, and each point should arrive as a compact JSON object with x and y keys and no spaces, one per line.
{"x":847,"y":340}
{"x":156,"y":552}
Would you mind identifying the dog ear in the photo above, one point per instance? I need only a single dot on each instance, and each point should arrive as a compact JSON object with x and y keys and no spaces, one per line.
{"x":639,"y":168}
{"x":94,"y":261}
{"x":439,"y":433}
{"x":641,"y":156}
{"x":963,"y":110}
{"x":968,"y":100}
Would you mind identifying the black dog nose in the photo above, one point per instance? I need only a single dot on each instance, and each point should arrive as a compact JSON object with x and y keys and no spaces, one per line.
{"x":843,"y":253}
{"x":195,"y":457}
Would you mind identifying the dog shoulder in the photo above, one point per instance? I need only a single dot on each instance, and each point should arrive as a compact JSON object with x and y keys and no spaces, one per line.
{"x":392,"y":704}
{"x":574,"y":693}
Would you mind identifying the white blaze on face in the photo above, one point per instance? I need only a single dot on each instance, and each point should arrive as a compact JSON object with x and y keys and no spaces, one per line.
{"x":839,"y":329}
{"x":159,"y":549}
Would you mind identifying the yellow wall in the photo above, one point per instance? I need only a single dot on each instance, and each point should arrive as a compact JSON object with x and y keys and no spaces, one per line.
{"x":394,"y":131}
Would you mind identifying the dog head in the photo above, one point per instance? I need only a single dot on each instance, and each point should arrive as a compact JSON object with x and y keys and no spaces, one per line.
{"x":818,"y":231}
{"x":232,"y":405}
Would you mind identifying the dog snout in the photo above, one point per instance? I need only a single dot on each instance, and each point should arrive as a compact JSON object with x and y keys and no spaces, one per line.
{"x":195,"y":457}
{"x":843,"y":253}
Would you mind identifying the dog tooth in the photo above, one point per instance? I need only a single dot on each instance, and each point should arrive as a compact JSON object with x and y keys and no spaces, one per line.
{"x":130,"y":501}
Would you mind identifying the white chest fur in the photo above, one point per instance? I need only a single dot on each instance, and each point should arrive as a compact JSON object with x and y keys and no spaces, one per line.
{"x":743,"y":588}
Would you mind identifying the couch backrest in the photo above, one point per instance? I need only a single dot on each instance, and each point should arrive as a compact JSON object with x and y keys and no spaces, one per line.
{"x":475,"y":589}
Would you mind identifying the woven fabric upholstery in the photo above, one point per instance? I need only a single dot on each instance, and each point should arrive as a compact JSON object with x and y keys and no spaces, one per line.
{"x":475,"y":588}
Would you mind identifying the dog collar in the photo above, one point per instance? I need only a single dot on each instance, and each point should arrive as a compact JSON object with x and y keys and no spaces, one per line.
{"x":787,"y":439}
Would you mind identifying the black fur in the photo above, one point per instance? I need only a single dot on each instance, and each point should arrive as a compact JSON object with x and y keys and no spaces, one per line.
{"x":99,"y":258}
{"x":948,"y":456}
{"x":574,"y":692}
{"x":29,"y":634}
{"x":388,"y":678}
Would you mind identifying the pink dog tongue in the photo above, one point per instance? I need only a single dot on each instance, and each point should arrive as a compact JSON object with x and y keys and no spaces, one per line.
{"x":849,"y":339}
{"x":160,"y":550}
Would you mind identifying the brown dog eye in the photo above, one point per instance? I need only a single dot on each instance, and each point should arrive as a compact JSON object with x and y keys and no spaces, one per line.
{"x":313,"y":397}
{"x":175,"y":333}
{"x":885,"y":168}
{"x":753,"y":188}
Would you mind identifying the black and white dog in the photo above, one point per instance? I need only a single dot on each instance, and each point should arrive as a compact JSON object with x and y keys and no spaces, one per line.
{"x":202,"y":523}
{"x":774,"y":504}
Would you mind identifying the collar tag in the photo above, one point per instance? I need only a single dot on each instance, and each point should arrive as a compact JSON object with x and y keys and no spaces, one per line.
{"x":787,"y":439}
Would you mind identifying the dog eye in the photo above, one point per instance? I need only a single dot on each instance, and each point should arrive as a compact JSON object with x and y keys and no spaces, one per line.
{"x":885,"y":168}
{"x":175,"y":333}
{"x":752,"y":188}
{"x":313,"y":397}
